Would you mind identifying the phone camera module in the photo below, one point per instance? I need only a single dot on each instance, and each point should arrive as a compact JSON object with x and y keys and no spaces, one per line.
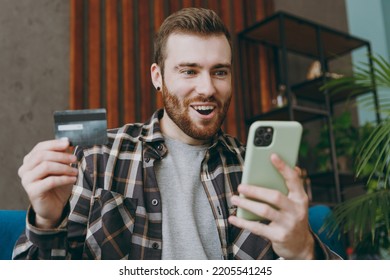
{"x":258,"y":141}
{"x":263,"y":136}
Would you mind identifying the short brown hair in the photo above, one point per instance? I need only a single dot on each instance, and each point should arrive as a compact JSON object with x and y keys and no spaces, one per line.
{"x":199,"y":21}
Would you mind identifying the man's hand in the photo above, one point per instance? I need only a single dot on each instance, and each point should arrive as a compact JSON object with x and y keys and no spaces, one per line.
{"x":288,"y":229}
{"x":47,"y":177}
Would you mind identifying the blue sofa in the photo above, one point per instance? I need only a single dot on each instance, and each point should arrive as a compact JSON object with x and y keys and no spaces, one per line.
{"x":317,"y":216}
{"x":12,"y":224}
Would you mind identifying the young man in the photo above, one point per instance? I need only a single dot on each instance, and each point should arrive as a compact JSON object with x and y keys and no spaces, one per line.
{"x":166,"y":189}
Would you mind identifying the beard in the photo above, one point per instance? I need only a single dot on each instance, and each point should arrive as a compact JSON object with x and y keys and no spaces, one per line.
{"x":178,"y":111}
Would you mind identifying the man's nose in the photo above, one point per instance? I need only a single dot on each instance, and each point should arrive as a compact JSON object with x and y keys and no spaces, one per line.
{"x":205,"y":85}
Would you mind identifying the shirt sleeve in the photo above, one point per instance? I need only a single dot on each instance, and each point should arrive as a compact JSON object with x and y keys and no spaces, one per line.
{"x":37,"y":243}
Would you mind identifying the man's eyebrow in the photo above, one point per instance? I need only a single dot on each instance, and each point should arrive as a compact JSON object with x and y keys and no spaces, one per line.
{"x":190,"y":64}
{"x":187,"y":64}
{"x":222,"y":65}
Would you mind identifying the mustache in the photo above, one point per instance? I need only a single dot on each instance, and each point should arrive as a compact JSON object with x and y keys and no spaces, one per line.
{"x":199,"y":98}
{"x":202,"y":99}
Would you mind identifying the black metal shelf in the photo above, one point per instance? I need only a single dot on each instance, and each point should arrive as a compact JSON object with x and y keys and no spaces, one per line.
{"x":301,"y":114}
{"x":301,"y":36}
{"x":283,"y":33}
{"x":310,"y":90}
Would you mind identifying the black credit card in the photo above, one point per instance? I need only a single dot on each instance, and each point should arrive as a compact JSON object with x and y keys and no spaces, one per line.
{"x":82,"y":127}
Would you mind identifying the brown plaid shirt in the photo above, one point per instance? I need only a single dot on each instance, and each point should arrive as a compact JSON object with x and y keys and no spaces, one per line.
{"x":115,"y":209}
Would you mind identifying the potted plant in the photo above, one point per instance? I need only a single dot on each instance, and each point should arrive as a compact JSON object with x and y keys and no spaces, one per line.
{"x":367,"y":218}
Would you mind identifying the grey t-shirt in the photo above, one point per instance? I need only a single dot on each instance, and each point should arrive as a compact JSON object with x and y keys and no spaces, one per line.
{"x":189,"y":228}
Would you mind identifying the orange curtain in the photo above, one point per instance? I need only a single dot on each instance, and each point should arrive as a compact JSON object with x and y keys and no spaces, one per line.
{"x":112,"y":49}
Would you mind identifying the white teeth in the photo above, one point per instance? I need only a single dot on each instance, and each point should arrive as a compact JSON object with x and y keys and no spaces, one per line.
{"x":203,"y":108}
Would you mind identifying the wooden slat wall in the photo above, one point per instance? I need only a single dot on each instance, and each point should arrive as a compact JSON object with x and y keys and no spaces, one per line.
{"x":112,"y":50}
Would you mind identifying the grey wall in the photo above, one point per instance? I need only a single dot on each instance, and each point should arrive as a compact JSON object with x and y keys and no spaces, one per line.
{"x":34,"y":82}
{"x":386,"y":18}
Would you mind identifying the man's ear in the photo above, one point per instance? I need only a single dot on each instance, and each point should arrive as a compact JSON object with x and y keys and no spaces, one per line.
{"x":155,"y":73}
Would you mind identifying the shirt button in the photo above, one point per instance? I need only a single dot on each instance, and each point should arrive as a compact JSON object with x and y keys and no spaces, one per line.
{"x":154,"y":202}
{"x":155,"y":245}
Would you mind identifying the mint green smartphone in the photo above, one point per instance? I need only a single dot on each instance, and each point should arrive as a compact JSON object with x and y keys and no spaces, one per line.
{"x":265,"y":138}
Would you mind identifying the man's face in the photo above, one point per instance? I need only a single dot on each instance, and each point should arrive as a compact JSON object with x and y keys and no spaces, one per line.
{"x":196,"y":84}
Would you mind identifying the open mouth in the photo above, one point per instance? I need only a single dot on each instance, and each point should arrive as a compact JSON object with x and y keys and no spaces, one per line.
{"x":204,"y":110}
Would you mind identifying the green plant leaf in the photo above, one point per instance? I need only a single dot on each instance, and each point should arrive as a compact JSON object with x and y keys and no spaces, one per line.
{"x":367,"y":217}
{"x":361,"y":215}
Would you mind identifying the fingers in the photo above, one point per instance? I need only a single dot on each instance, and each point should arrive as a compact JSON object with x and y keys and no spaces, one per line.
{"x":37,"y":158}
{"x":258,"y":208}
{"x":47,"y":168}
{"x":253,"y":226}
{"x":273,"y":232}
{"x":47,"y":178}
{"x":268,"y":196}
{"x":53,"y":145}
{"x":48,"y":183}
{"x":48,"y":151}
{"x":58,"y":145}
{"x":292,"y":176}
{"x":48,"y":163}
{"x":287,"y":172}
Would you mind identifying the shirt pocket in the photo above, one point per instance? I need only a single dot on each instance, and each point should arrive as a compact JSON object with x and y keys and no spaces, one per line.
{"x":111,"y":225}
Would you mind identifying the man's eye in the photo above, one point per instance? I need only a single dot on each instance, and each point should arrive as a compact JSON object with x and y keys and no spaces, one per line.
{"x":221,"y":73}
{"x":189,"y":72}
